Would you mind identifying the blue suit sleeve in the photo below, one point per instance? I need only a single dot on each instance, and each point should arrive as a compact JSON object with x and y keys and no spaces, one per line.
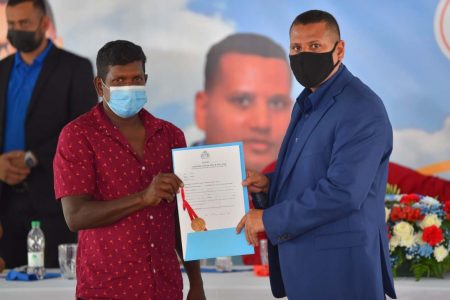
{"x":361,"y":143}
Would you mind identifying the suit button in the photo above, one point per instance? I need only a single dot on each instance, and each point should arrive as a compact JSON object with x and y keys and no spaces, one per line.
{"x":282,"y":237}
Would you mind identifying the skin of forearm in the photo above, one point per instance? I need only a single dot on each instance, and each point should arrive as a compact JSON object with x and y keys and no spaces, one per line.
{"x":86,"y":213}
{"x":193,"y":272}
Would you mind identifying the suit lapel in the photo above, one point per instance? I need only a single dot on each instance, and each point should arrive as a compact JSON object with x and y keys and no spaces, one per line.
{"x":50,"y":63}
{"x":285,"y":167}
{"x":283,"y":148}
{"x":304,"y":135}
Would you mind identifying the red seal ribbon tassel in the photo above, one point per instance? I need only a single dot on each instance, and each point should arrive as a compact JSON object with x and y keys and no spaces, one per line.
{"x":192,"y":215}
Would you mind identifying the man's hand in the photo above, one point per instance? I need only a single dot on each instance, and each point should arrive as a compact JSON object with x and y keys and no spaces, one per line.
{"x":256,"y":182}
{"x":18,"y":159}
{"x":163,"y":187}
{"x":10,"y":172}
{"x":196,"y":292}
{"x":253,"y":224}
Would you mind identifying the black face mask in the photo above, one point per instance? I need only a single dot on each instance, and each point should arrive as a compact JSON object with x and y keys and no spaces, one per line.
{"x":311,"y":68}
{"x":25,"y":41}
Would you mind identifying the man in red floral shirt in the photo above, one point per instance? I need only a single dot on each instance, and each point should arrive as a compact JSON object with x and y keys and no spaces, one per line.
{"x":113,"y":174}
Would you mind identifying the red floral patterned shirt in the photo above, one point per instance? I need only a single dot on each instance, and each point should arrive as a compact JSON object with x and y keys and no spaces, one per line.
{"x":133,"y":258}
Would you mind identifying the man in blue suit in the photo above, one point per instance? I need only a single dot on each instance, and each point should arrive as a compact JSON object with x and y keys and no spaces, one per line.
{"x":325,"y":215}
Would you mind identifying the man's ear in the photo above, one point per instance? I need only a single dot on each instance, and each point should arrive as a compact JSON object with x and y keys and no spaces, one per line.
{"x":201,"y":103}
{"x":45,"y":23}
{"x":340,"y":50}
{"x":99,"y":86}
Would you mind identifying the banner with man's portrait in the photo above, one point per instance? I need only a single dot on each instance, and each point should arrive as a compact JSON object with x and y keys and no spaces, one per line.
{"x":401,"y":49}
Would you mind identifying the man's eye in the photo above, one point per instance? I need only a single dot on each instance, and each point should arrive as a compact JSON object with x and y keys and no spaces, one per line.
{"x":24,"y":23}
{"x":295,"y":49}
{"x":315,"y":46}
{"x":243,"y":100}
{"x":279,"y":104}
{"x":117,"y":80}
{"x":139,"y":80}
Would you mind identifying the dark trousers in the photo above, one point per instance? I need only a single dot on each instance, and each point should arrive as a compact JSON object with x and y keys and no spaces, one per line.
{"x":16,"y":214}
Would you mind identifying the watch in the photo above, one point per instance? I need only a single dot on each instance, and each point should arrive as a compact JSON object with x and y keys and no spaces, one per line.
{"x":30,"y":160}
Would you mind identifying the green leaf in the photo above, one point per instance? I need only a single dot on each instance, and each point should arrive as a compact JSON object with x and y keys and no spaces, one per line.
{"x":392,"y":189}
{"x":419,"y":270}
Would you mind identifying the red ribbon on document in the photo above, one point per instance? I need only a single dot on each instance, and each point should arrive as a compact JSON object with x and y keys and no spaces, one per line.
{"x":197,"y":224}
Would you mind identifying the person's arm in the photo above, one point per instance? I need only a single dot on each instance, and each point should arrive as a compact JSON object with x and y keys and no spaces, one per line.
{"x":192,"y":268}
{"x":82,"y":212}
{"x":256,"y":182}
{"x":10,"y":171}
{"x":411,"y":181}
{"x":77,"y":192}
{"x":361,"y":146}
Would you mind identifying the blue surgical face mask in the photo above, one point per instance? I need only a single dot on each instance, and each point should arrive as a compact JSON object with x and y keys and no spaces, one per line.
{"x":126,"y":101}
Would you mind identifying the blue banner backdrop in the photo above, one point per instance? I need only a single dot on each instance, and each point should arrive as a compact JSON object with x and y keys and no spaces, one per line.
{"x":401,"y":49}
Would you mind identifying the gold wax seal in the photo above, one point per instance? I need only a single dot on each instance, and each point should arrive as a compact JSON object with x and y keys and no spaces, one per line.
{"x":198,"y":224}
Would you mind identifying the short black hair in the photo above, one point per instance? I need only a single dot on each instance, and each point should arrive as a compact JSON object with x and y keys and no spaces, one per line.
{"x":242,"y":43}
{"x":40,"y":4}
{"x":118,"y":52}
{"x":317,"y":16}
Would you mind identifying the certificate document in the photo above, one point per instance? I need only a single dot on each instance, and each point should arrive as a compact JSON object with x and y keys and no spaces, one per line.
{"x":213,"y":200}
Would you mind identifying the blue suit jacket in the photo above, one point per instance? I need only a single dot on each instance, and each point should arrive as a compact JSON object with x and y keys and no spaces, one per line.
{"x":326,"y":216}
